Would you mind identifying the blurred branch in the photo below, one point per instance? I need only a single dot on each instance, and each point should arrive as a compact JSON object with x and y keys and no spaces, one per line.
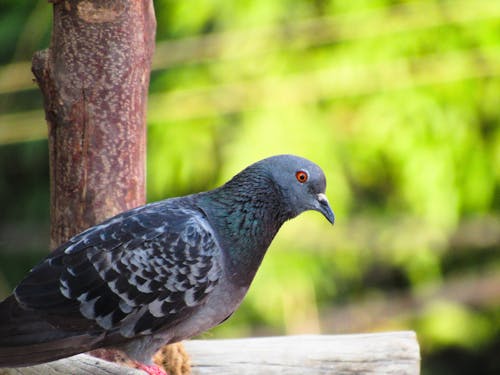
{"x":482,"y":231}
{"x":328,"y":84}
{"x":333,"y":83}
{"x":299,"y":34}
{"x":16,"y":77}
{"x":477,"y":291}
{"x":362,"y":233}
{"x":22,"y":127}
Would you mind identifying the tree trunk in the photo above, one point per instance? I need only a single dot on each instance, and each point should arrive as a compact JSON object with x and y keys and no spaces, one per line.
{"x":94,"y":79}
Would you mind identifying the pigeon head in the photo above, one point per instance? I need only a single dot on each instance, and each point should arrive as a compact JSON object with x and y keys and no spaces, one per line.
{"x":248,"y":211}
{"x":301,"y":182}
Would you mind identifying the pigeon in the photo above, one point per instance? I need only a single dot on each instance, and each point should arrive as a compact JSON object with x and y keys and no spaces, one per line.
{"x":159,"y":273}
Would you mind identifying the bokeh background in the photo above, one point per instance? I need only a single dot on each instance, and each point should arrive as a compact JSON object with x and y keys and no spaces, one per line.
{"x":398,"y":101}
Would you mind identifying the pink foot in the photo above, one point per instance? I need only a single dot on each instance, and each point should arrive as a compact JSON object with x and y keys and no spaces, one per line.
{"x":151,"y":370}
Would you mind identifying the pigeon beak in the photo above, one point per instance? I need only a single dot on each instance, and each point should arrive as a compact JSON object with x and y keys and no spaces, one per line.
{"x":324,"y":207}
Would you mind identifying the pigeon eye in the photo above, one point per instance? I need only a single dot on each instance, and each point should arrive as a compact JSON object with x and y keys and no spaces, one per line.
{"x":301,"y":176}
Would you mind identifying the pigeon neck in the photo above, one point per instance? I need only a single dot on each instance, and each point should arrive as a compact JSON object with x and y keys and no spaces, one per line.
{"x":246,"y":213}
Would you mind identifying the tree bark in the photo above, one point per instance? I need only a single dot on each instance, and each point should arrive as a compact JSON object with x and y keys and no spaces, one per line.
{"x":94,"y":79}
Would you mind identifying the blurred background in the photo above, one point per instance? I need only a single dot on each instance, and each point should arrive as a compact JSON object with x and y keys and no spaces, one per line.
{"x":398,"y":101}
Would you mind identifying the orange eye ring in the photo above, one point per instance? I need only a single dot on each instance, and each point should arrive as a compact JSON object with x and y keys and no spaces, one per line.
{"x":301,"y":176}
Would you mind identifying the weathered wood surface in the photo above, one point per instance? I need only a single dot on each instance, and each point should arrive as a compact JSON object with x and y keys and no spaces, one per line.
{"x":377,"y":353}
{"x":382,"y":353}
{"x":81,"y":364}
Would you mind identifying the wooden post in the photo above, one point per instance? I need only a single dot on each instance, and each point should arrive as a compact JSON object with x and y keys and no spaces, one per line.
{"x":376,"y":354}
{"x":94,"y":79}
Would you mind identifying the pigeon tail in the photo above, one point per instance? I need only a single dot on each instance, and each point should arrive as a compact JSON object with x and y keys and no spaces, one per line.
{"x":27,"y":340}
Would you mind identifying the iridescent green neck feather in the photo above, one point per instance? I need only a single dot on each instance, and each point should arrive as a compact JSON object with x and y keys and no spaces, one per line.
{"x":247,"y":212}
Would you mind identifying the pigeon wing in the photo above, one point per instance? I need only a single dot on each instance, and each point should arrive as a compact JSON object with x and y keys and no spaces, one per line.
{"x":133,"y":274}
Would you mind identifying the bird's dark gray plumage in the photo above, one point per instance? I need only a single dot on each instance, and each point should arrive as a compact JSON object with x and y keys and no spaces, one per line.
{"x":159,"y":273}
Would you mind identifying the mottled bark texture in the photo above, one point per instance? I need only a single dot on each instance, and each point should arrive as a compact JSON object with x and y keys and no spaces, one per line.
{"x":94,"y":78}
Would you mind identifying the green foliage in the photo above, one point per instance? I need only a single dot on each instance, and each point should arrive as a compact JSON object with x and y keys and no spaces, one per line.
{"x":449,"y":324}
{"x":174,"y":169}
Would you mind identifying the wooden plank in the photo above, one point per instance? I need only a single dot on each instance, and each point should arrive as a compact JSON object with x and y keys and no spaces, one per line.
{"x":376,"y":353}
{"x":381,"y":353}
{"x":81,"y":364}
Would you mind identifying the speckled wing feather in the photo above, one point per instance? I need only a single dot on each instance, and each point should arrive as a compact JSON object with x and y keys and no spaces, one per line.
{"x":138,"y":272}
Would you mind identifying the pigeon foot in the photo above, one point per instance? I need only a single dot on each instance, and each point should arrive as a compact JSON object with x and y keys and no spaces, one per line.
{"x":150,"y":369}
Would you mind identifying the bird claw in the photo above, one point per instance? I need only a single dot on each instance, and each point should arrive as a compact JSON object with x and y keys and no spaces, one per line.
{"x":151,"y":370}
